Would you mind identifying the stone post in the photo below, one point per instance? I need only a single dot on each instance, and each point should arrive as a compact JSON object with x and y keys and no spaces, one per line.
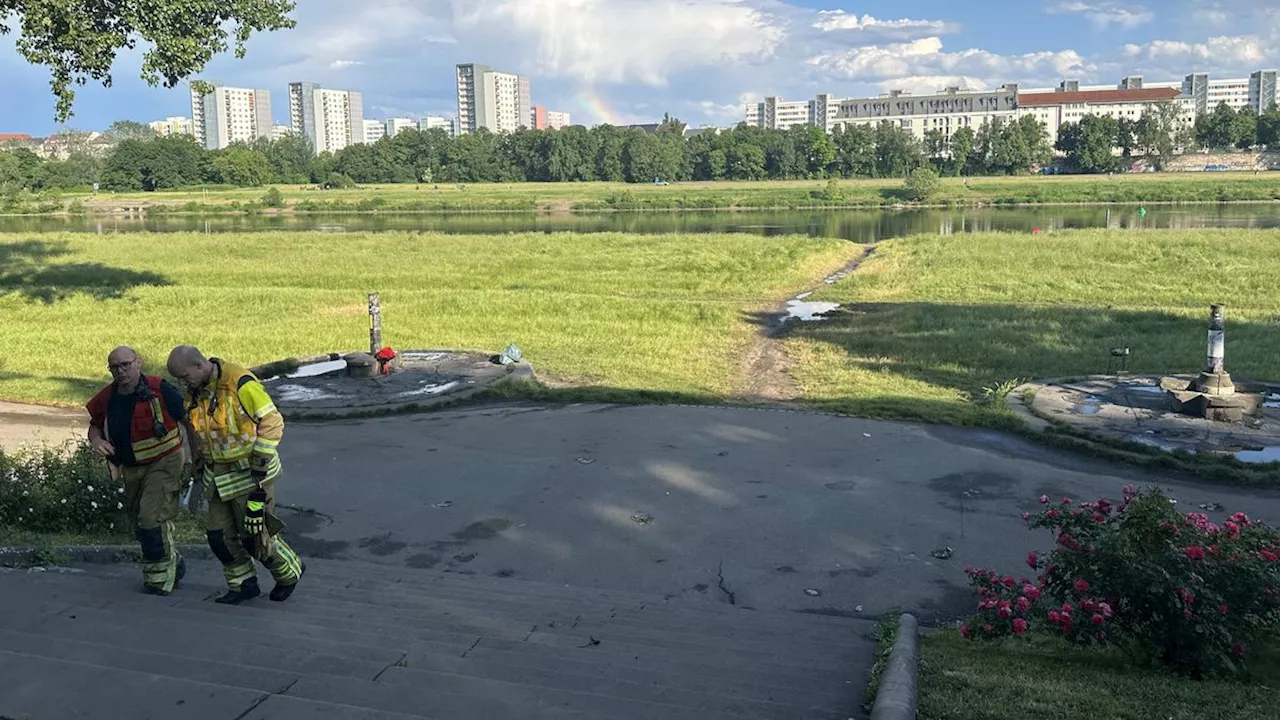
{"x":1214,"y":379}
{"x":1217,"y":345}
{"x":375,"y":324}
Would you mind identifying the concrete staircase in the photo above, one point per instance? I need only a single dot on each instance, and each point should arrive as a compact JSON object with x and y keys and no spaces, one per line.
{"x":371,"y":641}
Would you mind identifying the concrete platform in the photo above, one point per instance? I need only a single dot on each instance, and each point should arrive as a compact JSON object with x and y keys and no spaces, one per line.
{"x":319,"y":386}
{"x":1136,"y":409}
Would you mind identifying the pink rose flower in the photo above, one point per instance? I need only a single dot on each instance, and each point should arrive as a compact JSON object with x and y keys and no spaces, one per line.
{"x":1026,"y":516}
{"x":1222,"y":610}
{"x":1066,"y":501}
{"x":1005,"y":611}
{"x":1097,"y":619}
{"x":965,"y":632}
{"x":1032,"y":560}
{"x":988,"y":629}
{"x":1054,"y":617}
{"x":1232,"y":528}
{"x":1052,"y":514}
{"x":1023,"y":604}
{"x":1031,"y":591}
{"x":1082,"y":586}
{"x":1240,"y":518}
{"x":1105,"y":608}
{"x":1195,"y":553}
{"x":1066,"y":609}
{"x":1269,"y":555}
{"x":1044,"y":499}
{"x":1019,"y":626}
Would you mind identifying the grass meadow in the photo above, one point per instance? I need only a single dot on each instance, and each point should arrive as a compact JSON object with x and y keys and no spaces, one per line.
{"x":669,"y":313}
{"x":1047,"y":680}
{"x":930,"y":321}
{"x":567,"y":197}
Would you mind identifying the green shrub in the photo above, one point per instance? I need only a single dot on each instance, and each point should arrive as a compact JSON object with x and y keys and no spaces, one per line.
{"x":1174,"y":589}
{"x":59,"y":490}
{"x":273,"y":198}
{"x":922,"y":184}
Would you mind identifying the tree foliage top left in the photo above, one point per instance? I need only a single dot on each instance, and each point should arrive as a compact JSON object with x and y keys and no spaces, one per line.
{"x":78,"y":40}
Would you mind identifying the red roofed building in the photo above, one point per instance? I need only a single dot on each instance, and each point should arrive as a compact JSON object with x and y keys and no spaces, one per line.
{"x":1069,"y":103}
{"x":21,"y":138}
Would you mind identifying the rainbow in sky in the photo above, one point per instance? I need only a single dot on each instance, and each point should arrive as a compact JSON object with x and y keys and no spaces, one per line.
{"x":599,"y":107}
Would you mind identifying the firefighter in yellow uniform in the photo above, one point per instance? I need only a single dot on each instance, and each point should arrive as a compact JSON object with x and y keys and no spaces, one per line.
{"x":238,"y":430}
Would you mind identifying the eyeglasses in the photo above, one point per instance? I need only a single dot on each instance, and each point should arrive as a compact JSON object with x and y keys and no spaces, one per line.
{"x":115,"y":367}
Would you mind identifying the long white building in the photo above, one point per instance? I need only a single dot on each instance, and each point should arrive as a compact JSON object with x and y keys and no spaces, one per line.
{"x":230,"y":114}
{"x":490,"y":99}
{"x":329,"y":119}
{"x":954,"y":108}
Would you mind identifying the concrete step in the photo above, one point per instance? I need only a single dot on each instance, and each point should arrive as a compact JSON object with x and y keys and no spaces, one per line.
{"x":384,"y":614}
{"x":484,"y":698}
{"x":37,"y":687}
{"x":556,"y":600}
{"x":408,"y":643}
{"x":620,"y":689}
{"x":581,"y":596}
{"x":94,"y":624}
{"x":239,"y":675}
{"x":664,"y":672}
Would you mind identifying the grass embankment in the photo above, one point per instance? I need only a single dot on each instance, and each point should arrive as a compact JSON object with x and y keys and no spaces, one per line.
{"x":930,"y":321}
{"x":667,"y":313}
{"x":1047,"y":680}
{"x":564,"y":197}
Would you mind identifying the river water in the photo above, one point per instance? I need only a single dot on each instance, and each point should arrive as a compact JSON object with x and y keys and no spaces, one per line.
{"x":862,"y":226}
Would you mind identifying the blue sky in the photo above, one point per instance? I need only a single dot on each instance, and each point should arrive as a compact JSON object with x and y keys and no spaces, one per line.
{"x":633,"y":60}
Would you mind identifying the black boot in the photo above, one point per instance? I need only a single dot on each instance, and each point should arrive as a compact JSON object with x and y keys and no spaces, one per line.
{"x":182,"y":572}
{"x":280,"y":593}
{"x":248,"y":590}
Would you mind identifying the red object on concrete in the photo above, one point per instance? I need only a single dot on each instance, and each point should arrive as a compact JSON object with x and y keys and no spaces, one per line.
{"x":384,"y":358}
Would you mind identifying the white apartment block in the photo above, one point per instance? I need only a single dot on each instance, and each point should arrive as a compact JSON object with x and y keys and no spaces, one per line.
{"x":946,"y":111}
{"x":172,"y":126}
{"x":430,"y":122}
{"x":329,"y":119}
{"x":777,"y":114}
{"x":230,"y":114}
{"x":395,"y":126}
{"x":280,"y":132}
{"x":497,"y":101}
{"x":374,"y":130}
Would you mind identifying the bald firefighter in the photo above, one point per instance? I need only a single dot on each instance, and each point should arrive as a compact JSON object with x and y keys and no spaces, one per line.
{"x":239,"y":431}
{"x":134,"y":423}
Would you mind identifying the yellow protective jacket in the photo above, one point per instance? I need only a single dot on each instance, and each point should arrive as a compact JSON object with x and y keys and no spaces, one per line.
{"x":239,"y":429}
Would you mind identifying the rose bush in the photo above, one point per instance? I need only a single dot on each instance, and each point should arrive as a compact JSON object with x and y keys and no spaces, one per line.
{"x":57,"y":490}
{"x":1178,"y":589}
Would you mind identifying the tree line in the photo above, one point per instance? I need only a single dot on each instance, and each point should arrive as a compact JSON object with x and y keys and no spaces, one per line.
{"x":139,"y":161}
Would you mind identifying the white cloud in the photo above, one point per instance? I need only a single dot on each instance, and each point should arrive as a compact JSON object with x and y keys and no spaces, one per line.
{"x":1105,"y":13}
{"x":924,"y":84}
{"x":616,"y":41}
{"x":832,"y":20}
{"x":926,"y":57}
{"x":1224,"y":51}
{"x":339,"y":64}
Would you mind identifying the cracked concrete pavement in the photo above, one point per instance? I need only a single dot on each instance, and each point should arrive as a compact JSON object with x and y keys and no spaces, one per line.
{"x":766,"y":509}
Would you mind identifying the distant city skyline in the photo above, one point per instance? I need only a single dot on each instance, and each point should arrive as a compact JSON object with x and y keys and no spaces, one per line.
{"x":629,"y":61}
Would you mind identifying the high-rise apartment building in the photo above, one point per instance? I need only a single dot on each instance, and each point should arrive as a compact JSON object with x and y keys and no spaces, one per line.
{"x":230,"y":114}
{"x":541,"y":118}
{"x":497,"y":101}
{"x":1264,"y":90}
{"x":172,"y":126}
{"x":329,"y":119}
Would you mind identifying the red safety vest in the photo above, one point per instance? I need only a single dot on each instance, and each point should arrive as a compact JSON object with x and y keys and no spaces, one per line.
{"x":149,"y":418}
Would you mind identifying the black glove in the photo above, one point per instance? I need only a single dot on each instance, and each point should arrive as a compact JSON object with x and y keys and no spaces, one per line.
{"x":255,"y":514}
